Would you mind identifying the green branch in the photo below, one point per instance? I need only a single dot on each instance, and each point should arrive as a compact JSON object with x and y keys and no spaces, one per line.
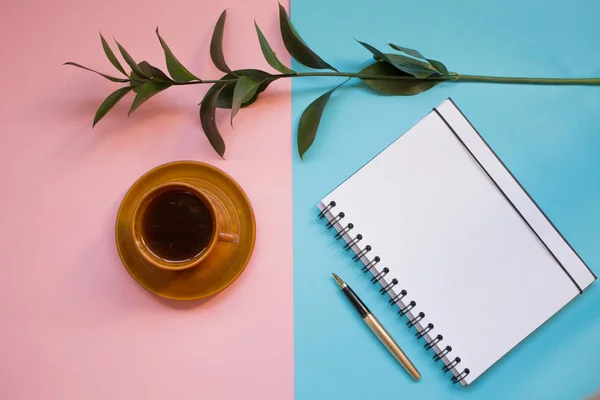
{"x":530,"y":81}
{"x":406,"y":72}
{"x":454,"y":77}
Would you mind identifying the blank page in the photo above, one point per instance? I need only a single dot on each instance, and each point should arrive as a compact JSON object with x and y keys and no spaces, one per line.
{"x":466,"y":255}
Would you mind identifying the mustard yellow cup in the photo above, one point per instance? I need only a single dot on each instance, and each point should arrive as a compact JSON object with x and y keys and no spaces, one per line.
{"x":137,"y":227}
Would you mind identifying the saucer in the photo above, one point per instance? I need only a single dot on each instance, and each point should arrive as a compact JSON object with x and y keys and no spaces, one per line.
{"x":224,"y":263}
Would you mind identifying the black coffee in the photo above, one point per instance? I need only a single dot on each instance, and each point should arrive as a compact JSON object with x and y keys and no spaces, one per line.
{"x":177,"y":225}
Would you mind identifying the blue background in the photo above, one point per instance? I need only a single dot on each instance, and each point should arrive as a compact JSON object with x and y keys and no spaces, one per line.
{"x":548,"y":136}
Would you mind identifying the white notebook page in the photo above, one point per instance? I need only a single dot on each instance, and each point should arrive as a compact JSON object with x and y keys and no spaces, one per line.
{"x":455,"y":244}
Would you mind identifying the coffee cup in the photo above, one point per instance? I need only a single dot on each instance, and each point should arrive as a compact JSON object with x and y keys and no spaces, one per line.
{"x":175,"y":226}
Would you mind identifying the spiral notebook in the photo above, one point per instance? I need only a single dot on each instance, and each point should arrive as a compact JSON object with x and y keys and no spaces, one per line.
{"x":462,"y":250}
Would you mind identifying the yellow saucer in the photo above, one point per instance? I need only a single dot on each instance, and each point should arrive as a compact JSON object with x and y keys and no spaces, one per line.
{"x":223,"y":265}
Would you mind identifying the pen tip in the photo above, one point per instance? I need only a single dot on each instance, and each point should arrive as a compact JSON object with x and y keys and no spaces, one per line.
{"x":338,"y":279}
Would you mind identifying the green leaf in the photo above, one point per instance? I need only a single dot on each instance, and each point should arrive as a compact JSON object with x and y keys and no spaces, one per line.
{"x":439,"y":66}
{"x":410,"y":52}
{"x":245,"y":88}
{"x":129,"y":60}
{"x":136,"y":82}
{"x":178,"y":72}
{"x":225,"y":98}
{"x":269,"y":54}
{"x":153,"y":72}
{"x":296,"y":46}
{"x":216,"y":44}
{"x":399,"y":87}
{"x":145,"y":92}
{"x":111,"y":56}
{"x":310,"y":120}
{"x":207,"y":118}
{"x":414,"y":67}
{"x":376,"y":53}
{"x":408,"y":65}
{"x":110,"y":102}
{"x":110,"y":78}
{"x":135,"y":86}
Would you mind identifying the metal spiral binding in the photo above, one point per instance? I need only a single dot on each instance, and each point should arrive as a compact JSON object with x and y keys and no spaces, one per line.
{"x":453,"y":364}
{"x":438,"y":356}
{"x":363,"y":252}
{"x":406,"y":309}
{"x":335,"y":220}
{"x":461,"y":376}
{"x":396,"y":297}
{"x":326,"y":209}
{"x":354,"y":241}
{"x":380,"y":275}
{"x":424,"y":331}
{"x":389,"y":286}
{"x":371,"y":264}
{"x":416,"y":319}
{"x":341,"y":233}
{"x":429,"y":345}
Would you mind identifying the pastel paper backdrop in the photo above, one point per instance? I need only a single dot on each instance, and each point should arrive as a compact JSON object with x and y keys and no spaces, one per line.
{"x":547,"y":136}
{"x":75,"y":325}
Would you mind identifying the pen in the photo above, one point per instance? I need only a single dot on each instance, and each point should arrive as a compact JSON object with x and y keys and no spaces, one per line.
{"x":378,"y":329}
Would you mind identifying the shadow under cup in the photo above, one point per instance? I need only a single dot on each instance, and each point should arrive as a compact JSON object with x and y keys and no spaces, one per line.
{"x":175,"y":226}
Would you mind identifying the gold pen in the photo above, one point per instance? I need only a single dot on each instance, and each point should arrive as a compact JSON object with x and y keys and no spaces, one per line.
{"x":378,"y":329}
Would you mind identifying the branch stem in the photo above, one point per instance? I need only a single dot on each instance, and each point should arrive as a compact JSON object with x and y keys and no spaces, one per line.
{"x":529,"y":81}
{"x":204,"y":81}
{"x":453,"y":77}
{"x":465,"y":78}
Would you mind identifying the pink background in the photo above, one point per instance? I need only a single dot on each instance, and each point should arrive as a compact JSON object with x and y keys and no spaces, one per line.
{"x":75,"y":325}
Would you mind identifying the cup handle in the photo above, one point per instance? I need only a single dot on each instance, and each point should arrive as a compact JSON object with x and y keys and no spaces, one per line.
{"x":228,"y":237}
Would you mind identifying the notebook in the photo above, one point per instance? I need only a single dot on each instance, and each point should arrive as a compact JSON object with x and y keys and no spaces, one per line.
{"x":467,"y":256}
